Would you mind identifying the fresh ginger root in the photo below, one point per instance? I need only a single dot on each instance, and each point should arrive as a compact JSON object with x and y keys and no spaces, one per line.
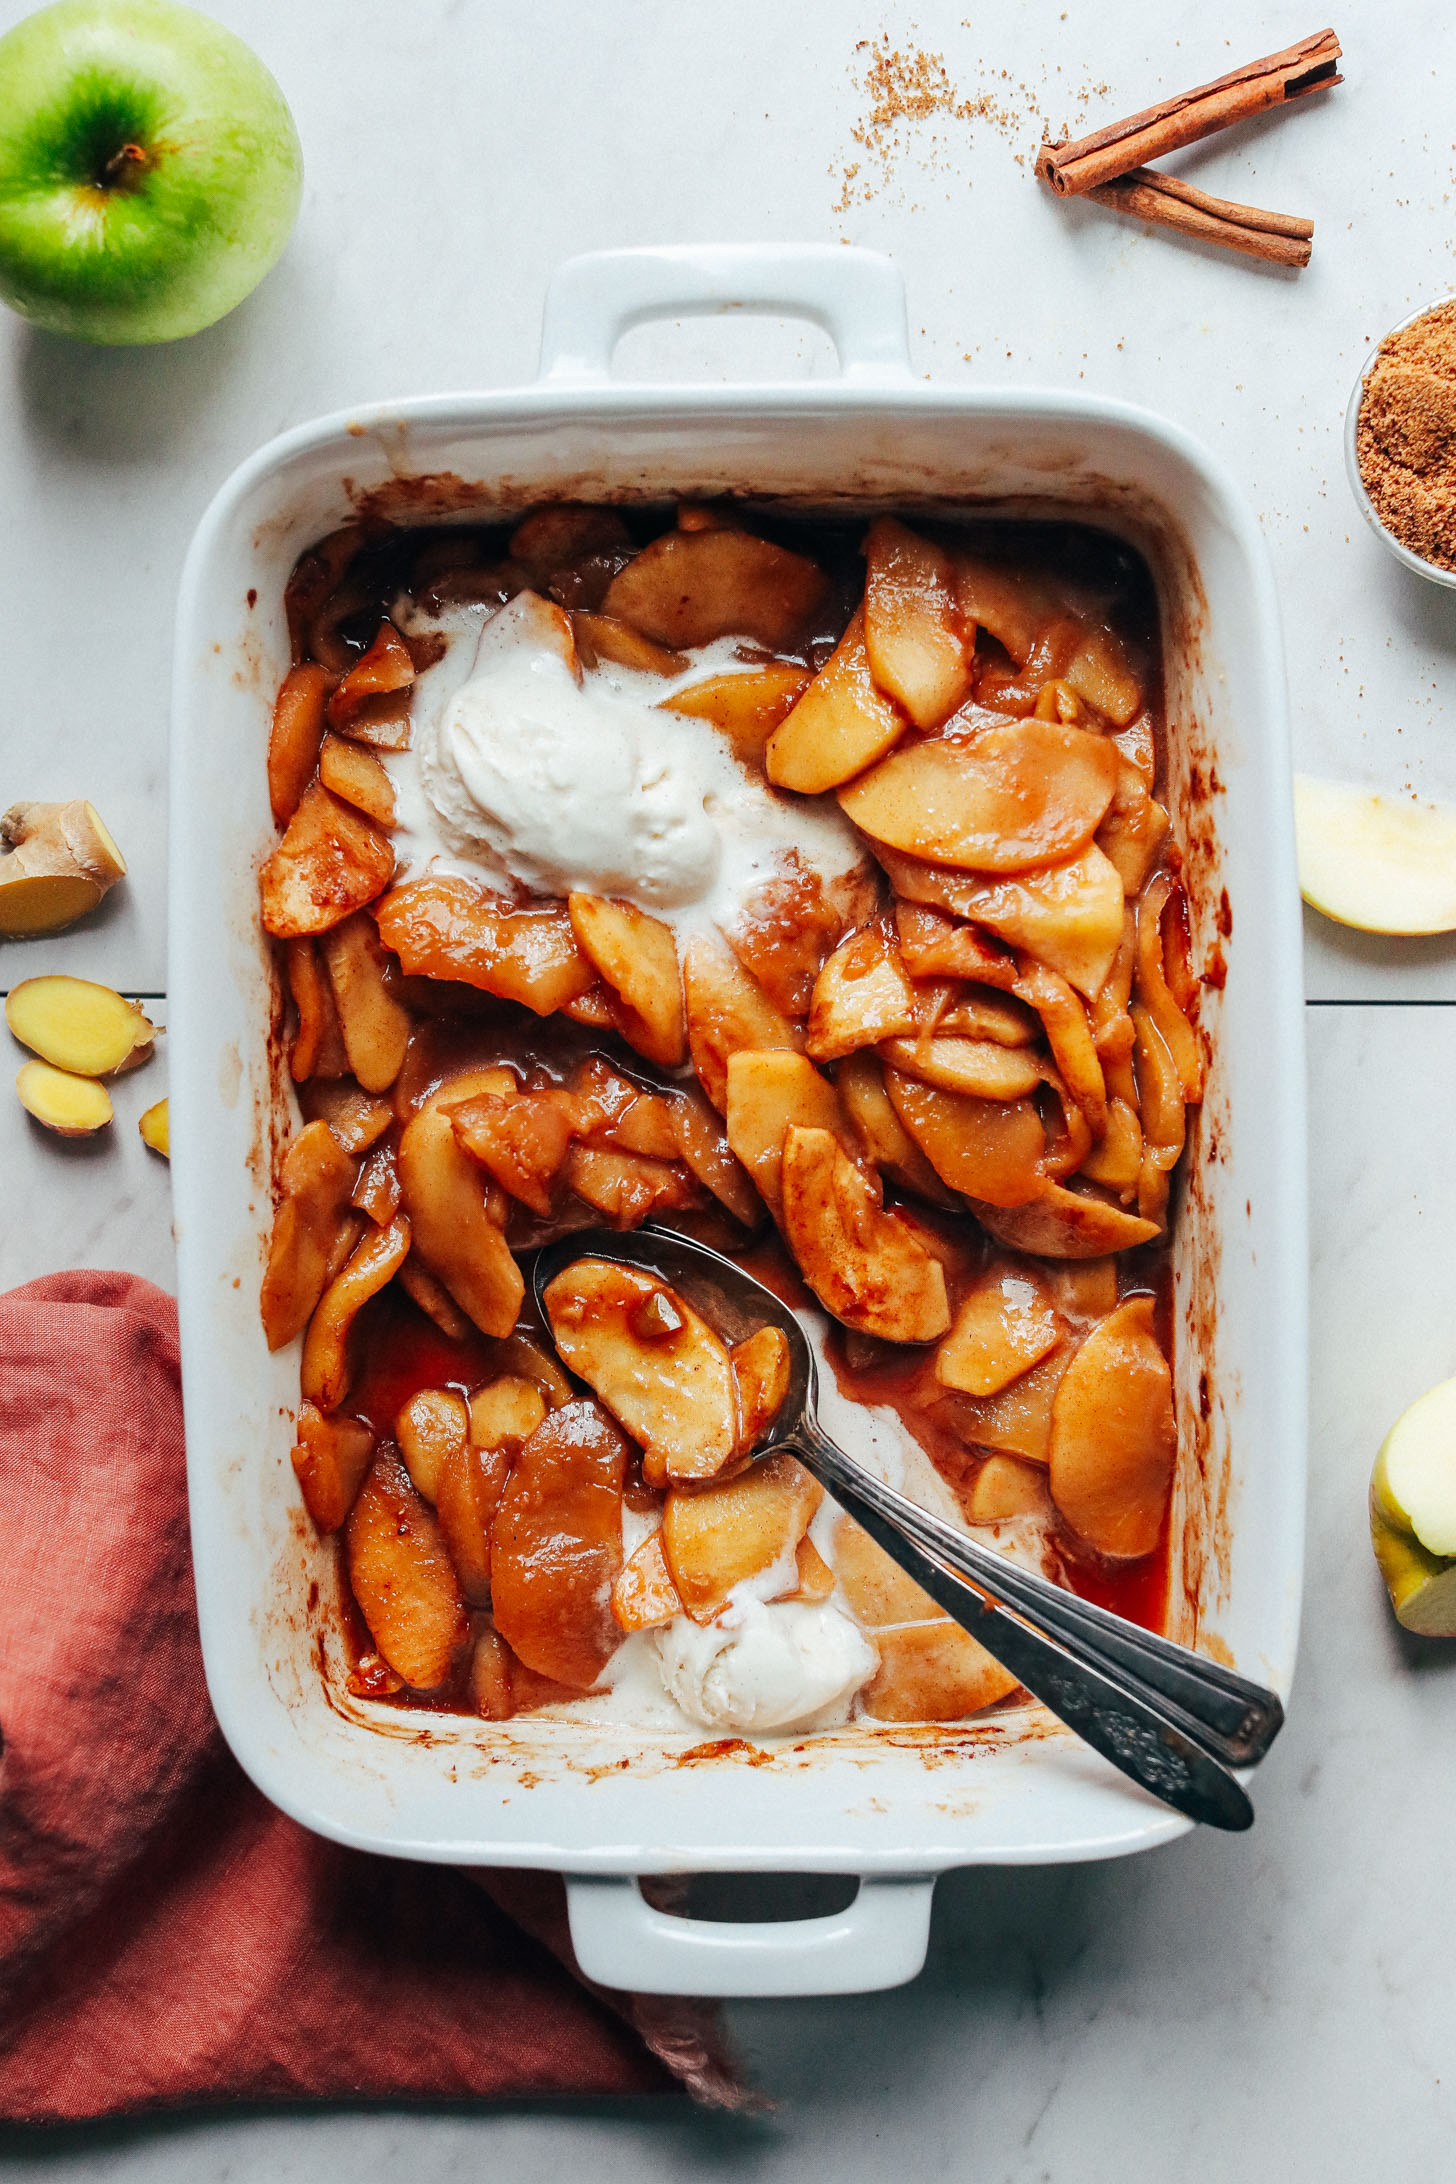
{"x":75,"y":1025}
{"x":156,"y":1129}
{"x":71,"y":1106}
{"x":56,"y":863}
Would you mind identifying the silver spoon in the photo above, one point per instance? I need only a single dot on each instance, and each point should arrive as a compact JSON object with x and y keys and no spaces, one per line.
{"x":1165,"y":1716}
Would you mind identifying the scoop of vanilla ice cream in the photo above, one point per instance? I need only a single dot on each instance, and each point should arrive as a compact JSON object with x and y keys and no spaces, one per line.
{"x":552,"y":782}
{"x":784,"y":1665}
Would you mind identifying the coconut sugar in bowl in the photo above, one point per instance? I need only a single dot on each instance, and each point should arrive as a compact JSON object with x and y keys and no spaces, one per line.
{"x":1400,"y":441}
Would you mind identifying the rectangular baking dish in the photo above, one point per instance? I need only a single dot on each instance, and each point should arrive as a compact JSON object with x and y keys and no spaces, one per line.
{"x":895,"y":1806}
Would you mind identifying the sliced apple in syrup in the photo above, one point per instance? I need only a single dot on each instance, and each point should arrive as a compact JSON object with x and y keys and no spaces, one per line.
{"x":727,"y":1012}
{"x":861,"y":996}
{"x":747,"y":706}
{"x":915,"y":634}
{"x":657,"y":1366}
{"x":719,"y":1536}
{"x":637,"y":956}
{"x":842,"y":723}
{"x":1029,"y":793}
{"x":1069,"y":915}
{"x":1001,"y":1329}
{"x":864,"y":1265}
{"x":767,"y":1092}
{"x":1057,"y":1223}
{"x":1113,"y":1438}
{"x":986,"y":1149}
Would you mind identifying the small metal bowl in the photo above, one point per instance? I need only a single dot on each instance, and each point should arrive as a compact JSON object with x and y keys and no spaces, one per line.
{"x":1427,"y":569}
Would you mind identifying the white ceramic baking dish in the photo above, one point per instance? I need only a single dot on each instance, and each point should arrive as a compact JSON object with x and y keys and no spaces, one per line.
{"x":894,"y":1806}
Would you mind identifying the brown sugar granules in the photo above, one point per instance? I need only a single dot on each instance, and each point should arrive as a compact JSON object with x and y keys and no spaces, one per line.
{"x":1405,"y":439}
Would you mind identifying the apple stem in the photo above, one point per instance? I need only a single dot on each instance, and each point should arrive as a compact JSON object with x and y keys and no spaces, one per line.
{"x":123,"y":167}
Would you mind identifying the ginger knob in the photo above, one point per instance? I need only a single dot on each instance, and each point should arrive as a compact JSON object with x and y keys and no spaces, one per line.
{"x":56,"y":863}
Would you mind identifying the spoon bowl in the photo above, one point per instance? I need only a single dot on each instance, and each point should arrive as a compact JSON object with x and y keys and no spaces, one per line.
{"x":1171,"y":1720}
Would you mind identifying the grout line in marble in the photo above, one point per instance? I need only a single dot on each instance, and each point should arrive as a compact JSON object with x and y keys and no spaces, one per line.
{"x":155,"y":995}
{"x":1385,"y":1001}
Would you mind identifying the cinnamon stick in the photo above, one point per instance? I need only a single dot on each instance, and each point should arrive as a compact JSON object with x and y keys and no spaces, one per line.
{"x":1074,"y":169}
{"x":1275,"y":237}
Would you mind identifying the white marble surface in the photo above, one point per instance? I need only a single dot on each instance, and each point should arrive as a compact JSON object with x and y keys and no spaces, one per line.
{"x":1277,"y":2008}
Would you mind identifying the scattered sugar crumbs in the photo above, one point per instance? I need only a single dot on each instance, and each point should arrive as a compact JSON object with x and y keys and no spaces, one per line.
{"x":1405,"y":440}
{"x":906,"y":89}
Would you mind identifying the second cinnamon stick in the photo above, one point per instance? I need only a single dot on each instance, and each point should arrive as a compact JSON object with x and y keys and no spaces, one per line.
{"x":1278,"y":238}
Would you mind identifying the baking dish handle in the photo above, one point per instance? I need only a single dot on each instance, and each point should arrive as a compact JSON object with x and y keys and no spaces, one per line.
{"x":857,"y":296}
{"x":879,"y":1940}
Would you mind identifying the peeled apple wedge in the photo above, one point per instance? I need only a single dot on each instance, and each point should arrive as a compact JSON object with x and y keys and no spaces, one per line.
{"x":864,"y":1265}
{"x":1373,"y":862}
{"x":75,"y":1025}
{"x":1413,"y":1513}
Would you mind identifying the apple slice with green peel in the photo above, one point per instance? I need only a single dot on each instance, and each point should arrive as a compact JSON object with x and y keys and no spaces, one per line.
{"x":1413,"y":1513}
{"x":1383,"y":865}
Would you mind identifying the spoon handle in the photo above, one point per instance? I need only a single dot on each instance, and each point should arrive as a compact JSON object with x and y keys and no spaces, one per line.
{"x":1110,"y":1706}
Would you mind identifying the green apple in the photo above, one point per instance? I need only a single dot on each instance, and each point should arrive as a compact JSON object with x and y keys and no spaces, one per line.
{"x":150,"y":172}
{"x":1413,"y":1513}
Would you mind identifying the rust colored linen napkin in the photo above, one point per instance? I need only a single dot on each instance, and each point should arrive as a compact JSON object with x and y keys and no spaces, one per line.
{"x":166,"y":1935}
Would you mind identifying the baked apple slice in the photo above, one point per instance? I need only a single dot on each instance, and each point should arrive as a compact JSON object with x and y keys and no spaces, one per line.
{"x":915,"y":634}
{"x":1099,"y":672}
{"x":840,"y":725}
{"x":1029,"y":793}
{"x":703,"y":1144}
{"x":644,"y":1596}
{"x":727,"y":1011}
{"x":628,"y":1188}
{"x":863,"y":1264}
{"x":747,"y":706}
{"x":689,"y":588}
{"x":1113,"y":1435}
{"x":296,"y":737}
{"x":761,"y":1379}
{"x":1058,"y":1223}
{"x":314,"y":1230}
{"x":985,"y":1149}
{"x":1002,"y":1328}
{"x":655,"y":1363}
{"x":376,"y":1030}
{"x":637,"y":956}
{"x":981,"y":1068}
{"x":330,"y":1458}
{"x":556,"y":1546}
{"x":1069,"y":915}
{"x":1018,"y":1418}
{"x":861,"y":996}
{"x":767,"y":1091}
{"x":429,"y":1427}
{"x":935,"y":945}
{"x":930,"y":1669}
{"x":441,"y":1189}
{"x":1004,"y":1488}
{"x":717,"y":1537}
{"x":357,"y":777}
{"x":444,"y":927}
{"x":522,"y":1139}
{"x":330,"y":862}
{"x":327,"y":1368}
{"x":860,"y":1083}
{"x":402,"y":1577}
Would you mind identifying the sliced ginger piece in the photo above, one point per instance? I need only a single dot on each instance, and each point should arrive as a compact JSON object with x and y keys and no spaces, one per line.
{"x":659,"y":1368}
{"x":77,"y":1026}
{"x":717,"y":1537}
{"x":864,"y":1265}
{"x":637,"y":956}
{"x":915,"y":634}
{"x":644,"y":1596}
{"x":1001,"y":1329}
{"x":71,"y":1106}
{"x":156,"y":1129}
{"x":56,"y":863}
